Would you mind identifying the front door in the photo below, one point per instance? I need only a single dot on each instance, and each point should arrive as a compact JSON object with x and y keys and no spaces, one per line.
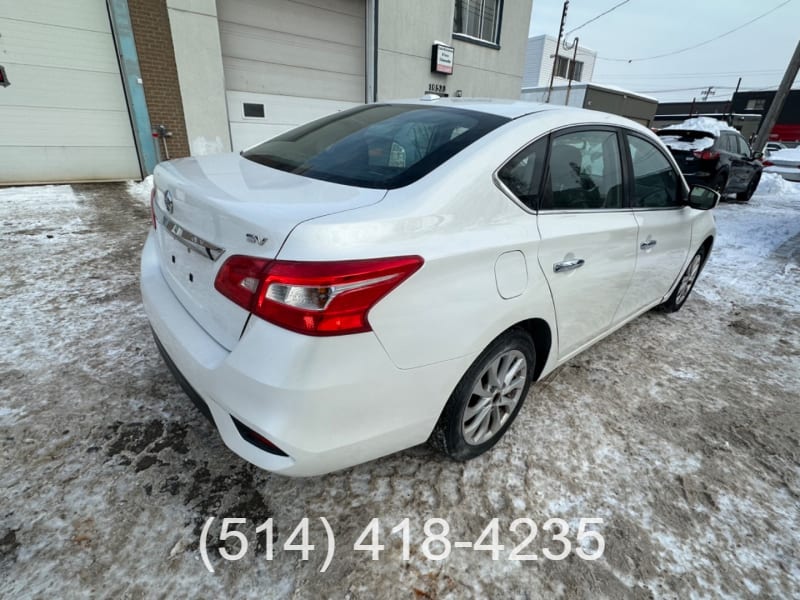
{"x":664,"y":222}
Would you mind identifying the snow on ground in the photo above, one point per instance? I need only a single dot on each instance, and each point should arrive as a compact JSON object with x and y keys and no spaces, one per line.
{"x":679,"y":431}
{"x":141,"y":189}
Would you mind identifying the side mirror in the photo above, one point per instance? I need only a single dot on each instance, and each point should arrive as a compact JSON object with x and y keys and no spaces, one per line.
{"x":703,"y":198}
{"x":758,"y":155}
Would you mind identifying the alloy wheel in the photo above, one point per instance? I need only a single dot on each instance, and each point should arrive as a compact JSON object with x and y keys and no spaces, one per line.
{"x":495,"y":395}
{"x":688,"y":280}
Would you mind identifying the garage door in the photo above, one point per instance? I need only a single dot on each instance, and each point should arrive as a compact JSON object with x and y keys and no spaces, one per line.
{"x":287,"y":62}
{"x":64,"y":116}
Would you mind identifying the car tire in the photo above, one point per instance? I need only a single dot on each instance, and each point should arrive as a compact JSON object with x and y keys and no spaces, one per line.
{"x":685,"y":283}
{"x":751,"y":189}
{"x":720,"y":182}
{"x":487,"y":398}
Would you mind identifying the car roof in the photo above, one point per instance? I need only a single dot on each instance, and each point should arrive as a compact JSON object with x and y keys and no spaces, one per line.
{"x":514,"y":109}
{"x":511,"y":109}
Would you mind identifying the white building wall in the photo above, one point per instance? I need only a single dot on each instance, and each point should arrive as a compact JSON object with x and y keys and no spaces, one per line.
{"x":198,"y":57}
{"x":408,"y":29}
{"x":539,"y":61}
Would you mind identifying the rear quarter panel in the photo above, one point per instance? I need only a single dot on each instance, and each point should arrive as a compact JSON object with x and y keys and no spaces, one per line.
{"x":458,"y":220}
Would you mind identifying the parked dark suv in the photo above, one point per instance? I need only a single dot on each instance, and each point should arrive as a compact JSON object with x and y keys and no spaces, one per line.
{"x":713,"y":154}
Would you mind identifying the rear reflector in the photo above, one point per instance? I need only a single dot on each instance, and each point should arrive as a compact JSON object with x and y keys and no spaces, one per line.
{"x":258,"y":440}
{"x":314,"y":298}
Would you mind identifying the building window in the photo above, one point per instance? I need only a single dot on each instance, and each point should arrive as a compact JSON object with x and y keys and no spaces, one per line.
{"x":479,"y":19}
{"x":569,"y":69}
{"x":756,"y":104}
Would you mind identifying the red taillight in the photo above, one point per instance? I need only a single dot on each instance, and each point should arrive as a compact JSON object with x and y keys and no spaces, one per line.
{"x":239,"y":279}
{"x":706,"y":154}
{"x":767,"y":163}
{"x":153,"y":207}
{"x":314,"y":298}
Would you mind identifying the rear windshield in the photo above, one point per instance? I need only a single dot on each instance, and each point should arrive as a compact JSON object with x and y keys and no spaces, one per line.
{"x":375,"y":146}
{"x":687,"y":139}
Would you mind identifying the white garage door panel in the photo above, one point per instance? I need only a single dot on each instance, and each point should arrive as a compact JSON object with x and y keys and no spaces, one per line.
{"x":243,"y":75}
{"x":64,"y":117}
{"x":48,"y":45}
{"x":24,"y":165}
{"x":296,"y":18}
{"x":282,"y":113}
{"x":280,"y":48}
{"x":23,"y":126}
{"x":77,"y":14}
{"x":51,"y":87}
{"x":301,"y":59}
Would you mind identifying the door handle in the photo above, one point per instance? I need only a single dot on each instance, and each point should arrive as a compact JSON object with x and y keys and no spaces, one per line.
{"x":568,"y":265}
{"x":647,"y":245}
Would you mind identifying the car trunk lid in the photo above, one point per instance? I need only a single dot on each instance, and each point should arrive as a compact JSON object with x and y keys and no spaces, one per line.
{"x":210,"y":208}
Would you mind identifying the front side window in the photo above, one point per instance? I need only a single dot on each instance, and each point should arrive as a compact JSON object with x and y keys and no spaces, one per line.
{"x":479,"y":19}
{"x":655,"y":181}
{"x":584,"y":172}
{"x":382,"y":146}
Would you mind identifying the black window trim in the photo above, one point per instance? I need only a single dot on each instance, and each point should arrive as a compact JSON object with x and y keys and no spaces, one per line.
{"x":682,"y":189}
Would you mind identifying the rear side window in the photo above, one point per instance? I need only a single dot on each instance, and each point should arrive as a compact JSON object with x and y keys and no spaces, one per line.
{"x":376,"y":146}
{"x":744,"y":149}
{"x":727,"y":143}
{"x":584,"y":172}
{"x":523,"y":173}
{"x":655,"y":181}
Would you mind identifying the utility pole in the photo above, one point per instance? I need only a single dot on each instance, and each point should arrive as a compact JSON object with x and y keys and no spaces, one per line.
{"x":730,"y":103}
{"x":707,"y":92}
{"x":558,"y":44}
{"x":571,"y":69}
{"x":777,"y":103}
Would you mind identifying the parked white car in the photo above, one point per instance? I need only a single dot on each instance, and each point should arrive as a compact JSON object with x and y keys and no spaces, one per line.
{"x":785,"y":163}
{"x":402,"y":272}
{"x":771,"y":147}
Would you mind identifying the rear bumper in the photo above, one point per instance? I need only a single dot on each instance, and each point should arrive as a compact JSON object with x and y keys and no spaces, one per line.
{"x":328,"y":403}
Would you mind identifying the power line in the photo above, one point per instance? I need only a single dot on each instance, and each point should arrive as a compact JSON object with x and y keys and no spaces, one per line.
{"x":722,"y":35}
{"x":694,"y":74}
{"x":593,"y":19}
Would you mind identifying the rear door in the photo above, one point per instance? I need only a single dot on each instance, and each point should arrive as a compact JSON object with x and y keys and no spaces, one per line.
{"x":664,"y":221}
{"x":742,"y":166}
{"x":588,"y":235}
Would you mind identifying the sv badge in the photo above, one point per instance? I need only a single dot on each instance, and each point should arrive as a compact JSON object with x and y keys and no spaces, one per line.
{"x":254,"y":239}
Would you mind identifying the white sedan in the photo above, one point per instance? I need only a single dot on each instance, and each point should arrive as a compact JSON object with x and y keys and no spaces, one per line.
{"x":785,"y":163}
{"x":403,"y":272}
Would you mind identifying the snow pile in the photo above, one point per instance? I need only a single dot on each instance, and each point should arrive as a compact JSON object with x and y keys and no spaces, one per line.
{"x":756,"y":238}
{"x":141,"y":189}
{"x":706,"y":124}
{"x":773,"y":184}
